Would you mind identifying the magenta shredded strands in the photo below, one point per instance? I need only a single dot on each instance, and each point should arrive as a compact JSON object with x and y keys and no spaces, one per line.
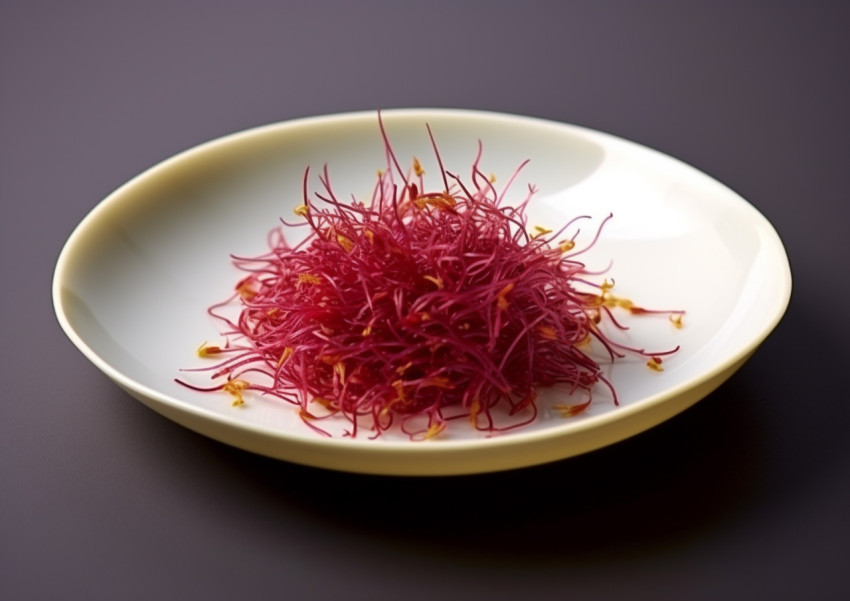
{"x":416,"y":309}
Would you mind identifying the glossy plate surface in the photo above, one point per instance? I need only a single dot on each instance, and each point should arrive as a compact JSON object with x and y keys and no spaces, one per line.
{"x":133,"y":282}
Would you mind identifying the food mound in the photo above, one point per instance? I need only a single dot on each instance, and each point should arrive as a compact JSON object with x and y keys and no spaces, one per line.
{"x":420,"y":307}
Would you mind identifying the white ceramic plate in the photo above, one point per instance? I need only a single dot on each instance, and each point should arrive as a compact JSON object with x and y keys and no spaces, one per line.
{"x":134,"y":280}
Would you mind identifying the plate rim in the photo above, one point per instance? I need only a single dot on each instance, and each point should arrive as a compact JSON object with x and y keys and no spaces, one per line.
{"x":364,"y":445}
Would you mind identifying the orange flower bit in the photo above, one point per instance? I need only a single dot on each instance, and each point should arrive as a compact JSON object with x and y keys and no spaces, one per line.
{"x":437,"y":280}
{"x":676,"y":319}
{"x":398,"y":387}
{"x":525,"y":403}
{"x":654,"y":364}
{"x":345,"y":243}
{"x":438,"y":200}
{"x":235,"y":388}
{"x":501,"y":300}
{"x":308,"y":278}
{"x":248,"y":288}
{"x":206,"y":351}
{"x":326,"y":403}
{"x":572,"y":410}
{"x":605,"y":286}
{"x":474,"y":410}
{"x":433,"y":429}
{"x":547,"y":332}
{"x":330,"y":359}
{"x":438,"y":382}
{"x":540,"y":231}
{"x":339,"y":372}
{"x":400,"y":370}
{"x":417,"y":167}
{"x":611,"y":301}
{"x":566,"y":245}
{"x":286,"y":354}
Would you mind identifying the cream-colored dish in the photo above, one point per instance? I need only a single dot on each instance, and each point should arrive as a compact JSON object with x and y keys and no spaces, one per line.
{"x":135,"y":278}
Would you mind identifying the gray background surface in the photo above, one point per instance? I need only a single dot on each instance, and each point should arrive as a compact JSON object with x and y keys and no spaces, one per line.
{"x":746,"y":495}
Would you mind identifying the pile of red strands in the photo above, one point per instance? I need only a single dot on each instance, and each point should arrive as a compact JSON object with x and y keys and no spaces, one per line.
{"x":414,"y":310}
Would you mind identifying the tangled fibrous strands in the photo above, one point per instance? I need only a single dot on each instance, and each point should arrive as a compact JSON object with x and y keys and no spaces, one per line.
{"x":416,"y":309}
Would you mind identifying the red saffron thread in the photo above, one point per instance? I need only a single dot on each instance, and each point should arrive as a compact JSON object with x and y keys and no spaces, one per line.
{"x":417,"y":309}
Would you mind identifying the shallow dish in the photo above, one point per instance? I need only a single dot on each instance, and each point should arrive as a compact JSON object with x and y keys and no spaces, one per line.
{"x":133,"y":282}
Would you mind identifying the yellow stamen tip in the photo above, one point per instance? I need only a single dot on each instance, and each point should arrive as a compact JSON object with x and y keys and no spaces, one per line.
{"x":435,"y":429}
{"x":417,"y":167}
{"x":654,"y":364}
{"x":345,"y":243}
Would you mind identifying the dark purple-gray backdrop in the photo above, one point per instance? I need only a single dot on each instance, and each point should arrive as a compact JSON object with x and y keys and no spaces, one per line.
{"x":746,"y":495}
